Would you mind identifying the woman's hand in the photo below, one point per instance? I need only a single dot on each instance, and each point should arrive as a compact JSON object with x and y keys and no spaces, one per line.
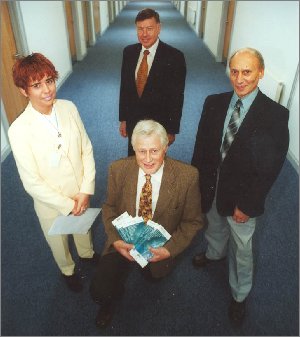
{"x":81,"y":203}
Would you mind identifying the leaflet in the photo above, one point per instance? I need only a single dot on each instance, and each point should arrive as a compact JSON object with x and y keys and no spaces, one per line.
{"x":72,"y":224}
{"x":143,"y":236}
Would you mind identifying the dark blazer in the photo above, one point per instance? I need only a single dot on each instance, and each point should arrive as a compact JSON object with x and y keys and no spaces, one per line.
{"x":163,"y":95}
{"x":177,"y":208}
{"x":253,"y":161}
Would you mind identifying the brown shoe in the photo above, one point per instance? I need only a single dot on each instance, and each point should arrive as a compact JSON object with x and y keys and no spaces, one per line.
{"x":105,"y":315}
{"x":200,"y":260}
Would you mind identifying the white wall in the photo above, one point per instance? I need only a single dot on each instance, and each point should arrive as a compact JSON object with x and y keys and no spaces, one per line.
{"x":198,"y":17}
{"x":212,"y":29}
{"x":272,"y":27}
{"x":182,"y":7}
{"x":192,"y":7}
{"x":46,"y":32}
{"x":104,"y":16}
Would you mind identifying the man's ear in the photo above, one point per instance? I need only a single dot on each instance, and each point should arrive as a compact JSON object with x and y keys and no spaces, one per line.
{"x":23,"y":92}
{"x":261,"y":73}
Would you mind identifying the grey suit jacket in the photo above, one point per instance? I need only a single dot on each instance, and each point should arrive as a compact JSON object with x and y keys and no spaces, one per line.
{"x":178,"y":207}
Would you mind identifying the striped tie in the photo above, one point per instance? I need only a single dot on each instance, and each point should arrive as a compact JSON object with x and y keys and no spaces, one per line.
{"x":145,"y":207}
{"x":231,"y":129}
{"x":142,"y":74}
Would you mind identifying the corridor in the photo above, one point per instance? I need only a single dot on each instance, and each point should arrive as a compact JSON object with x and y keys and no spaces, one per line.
{"x":188,"y":302}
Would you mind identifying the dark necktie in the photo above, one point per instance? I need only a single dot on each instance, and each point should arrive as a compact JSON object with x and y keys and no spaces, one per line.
{"x":142,"y":74}
{"x":231,"y":129}
{"x":145,"y":207}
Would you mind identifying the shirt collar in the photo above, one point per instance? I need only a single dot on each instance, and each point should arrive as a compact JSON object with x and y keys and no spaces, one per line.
{"x":246,"y":100}
{"x":157,"y":175}
{"x":152,"y":49}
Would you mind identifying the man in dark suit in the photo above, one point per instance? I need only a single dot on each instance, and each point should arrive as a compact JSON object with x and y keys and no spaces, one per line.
{"x":175,"y":206}
{"x":239,"y":151}
{"x":160,"y":96}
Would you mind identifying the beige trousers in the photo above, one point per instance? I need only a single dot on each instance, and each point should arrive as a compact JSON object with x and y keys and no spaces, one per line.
{"x":60,"y":247}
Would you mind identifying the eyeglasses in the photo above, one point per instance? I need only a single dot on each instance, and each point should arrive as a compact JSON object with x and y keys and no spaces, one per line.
{"x":37,"y":85}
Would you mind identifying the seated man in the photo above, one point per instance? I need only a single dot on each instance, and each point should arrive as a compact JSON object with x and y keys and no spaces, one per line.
{"x":175,"y":205}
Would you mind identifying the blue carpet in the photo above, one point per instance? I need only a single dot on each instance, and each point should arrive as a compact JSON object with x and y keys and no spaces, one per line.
{"x":35,"y":301}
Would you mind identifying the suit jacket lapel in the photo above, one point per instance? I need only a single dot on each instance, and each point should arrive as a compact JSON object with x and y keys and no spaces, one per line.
{"x":251,"y":119}
{"x":130,"y":187}
{"x":133,"y":60}
{"x":155,"y":65}
{"x":166,"y":192}
{"x":41,"y":132}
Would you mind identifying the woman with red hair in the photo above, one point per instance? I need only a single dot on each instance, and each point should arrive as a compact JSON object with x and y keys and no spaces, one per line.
{"x":54,"y":157}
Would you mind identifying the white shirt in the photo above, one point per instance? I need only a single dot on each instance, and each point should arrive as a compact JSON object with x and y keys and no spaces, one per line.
{"x":150,"y":57}
{"x":51,"y":123}
{"x":155,"y":181}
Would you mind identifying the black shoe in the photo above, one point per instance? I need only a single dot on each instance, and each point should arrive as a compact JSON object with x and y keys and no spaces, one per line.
{"x":200,"y":260}
{"x":94,"y":259}
{"x":73,"y":282}
{"x":237,"y":311}
{"x":105,"y":315}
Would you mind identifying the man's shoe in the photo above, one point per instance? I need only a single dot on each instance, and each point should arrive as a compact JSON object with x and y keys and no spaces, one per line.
{"x":94,"y":259}
{"x":73,"y":282}
{"x":105,"y":315}
{"x":237,"y":311}
{"x":200,"y":260}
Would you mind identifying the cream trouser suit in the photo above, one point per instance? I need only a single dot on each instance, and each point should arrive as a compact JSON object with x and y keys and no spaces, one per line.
{"x":54,"y":167}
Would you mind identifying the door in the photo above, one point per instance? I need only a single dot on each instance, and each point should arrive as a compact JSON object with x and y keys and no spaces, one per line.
{"x":96,"y":12}
{"x":70,"y":25}
{"x":84,"y":5}
{"x":14,"y":102}
{"x":228,"y":28}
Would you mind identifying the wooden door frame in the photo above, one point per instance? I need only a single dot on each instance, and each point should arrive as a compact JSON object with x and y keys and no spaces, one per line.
{"x":68,"y":12}
{"x":18,"y":27}
{"x":97,"y":17}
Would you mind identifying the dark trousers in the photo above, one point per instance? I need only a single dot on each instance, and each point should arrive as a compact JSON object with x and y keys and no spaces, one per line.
{"x":129,"y":129}
{"x":108,"y":283}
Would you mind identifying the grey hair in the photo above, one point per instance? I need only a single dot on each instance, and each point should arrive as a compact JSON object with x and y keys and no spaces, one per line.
{"x":147,"y":128}
{"x":252,"y":51}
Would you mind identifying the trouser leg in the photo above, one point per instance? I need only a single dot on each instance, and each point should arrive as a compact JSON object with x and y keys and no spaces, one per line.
{"x":84,"y":244}
{"x":217,"y":234}
{"x":60,"y":248}
{"x":110,"y":277}
{"x":240,"y":258}
{"x":129,"y":128}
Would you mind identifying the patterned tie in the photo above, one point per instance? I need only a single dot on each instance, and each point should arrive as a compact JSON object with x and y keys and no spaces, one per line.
{"x":142,"y":74}
{"x":145,"y":207}
{"x":231,"y":129}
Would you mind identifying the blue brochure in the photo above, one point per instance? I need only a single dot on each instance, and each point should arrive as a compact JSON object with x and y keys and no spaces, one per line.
{"x":142,"y":236}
